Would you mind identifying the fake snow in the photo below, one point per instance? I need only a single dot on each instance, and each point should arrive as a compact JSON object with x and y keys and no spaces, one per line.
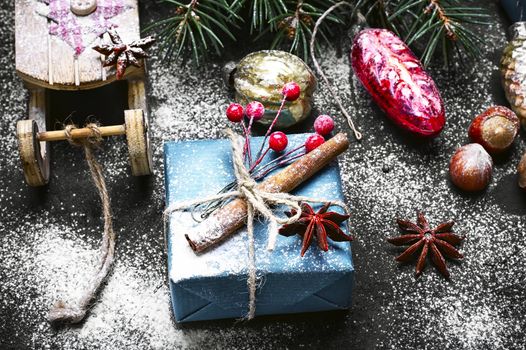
{"x":49,"y":241}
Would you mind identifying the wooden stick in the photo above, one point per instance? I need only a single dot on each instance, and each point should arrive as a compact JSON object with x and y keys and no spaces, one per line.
{"x":82,"y":133}
{"x":227,"y":220}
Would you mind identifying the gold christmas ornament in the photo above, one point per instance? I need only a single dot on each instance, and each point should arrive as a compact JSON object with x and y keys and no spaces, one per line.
{"x":513,"y":70}
{"x":260,"y":76}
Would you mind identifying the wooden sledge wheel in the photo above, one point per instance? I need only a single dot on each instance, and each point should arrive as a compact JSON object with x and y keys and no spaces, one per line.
{"x":138,"y":142}
{"x":35,"y":160}
{"x":33,"y":153}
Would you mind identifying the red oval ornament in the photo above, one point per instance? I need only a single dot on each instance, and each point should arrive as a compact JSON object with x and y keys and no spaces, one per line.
{"x":397,"y":82}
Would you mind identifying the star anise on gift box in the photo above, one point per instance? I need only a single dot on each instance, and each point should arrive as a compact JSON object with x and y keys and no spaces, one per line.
{"x":322,"y":224}
{"x":123,"y":55}
{"x":438,"y":242}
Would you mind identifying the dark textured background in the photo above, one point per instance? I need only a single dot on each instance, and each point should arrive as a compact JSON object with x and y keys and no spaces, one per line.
{"x":49,"y":237}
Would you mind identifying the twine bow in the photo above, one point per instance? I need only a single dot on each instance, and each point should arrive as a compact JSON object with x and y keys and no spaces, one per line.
{"x":76,"y":312}
{"x":259,"y":202}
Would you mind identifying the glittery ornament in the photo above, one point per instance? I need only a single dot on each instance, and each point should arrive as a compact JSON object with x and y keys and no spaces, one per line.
{"x":260,"y":76}
{"x":397,"y":82}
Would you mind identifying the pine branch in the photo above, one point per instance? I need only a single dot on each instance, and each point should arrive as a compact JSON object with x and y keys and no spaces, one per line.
{"x":294,"y":27}
{"x":261,"y":11}
{"x":434,"y":25}
{"x":430,"y":27}
{"x":193,"y":28}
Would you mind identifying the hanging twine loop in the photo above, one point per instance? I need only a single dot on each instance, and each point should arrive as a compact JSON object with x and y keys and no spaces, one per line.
{"x":75,"y":312}
{"x":259,"y":202}
{"x":357,"y":134}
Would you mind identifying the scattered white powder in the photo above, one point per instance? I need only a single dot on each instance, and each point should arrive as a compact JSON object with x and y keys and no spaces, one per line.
{"x":49,"y":241}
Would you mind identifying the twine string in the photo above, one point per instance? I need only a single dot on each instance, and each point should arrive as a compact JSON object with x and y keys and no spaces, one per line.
{"x":259,"y":202}
{"x":75,"y":312}
{"x":357,"y":134}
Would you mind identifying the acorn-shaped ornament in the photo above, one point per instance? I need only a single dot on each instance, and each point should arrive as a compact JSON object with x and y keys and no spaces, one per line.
{"x":513,"y":70}
{"x":260,"y":76}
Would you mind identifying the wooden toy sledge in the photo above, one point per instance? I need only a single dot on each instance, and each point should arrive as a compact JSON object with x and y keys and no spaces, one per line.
{"x":54,"y":40}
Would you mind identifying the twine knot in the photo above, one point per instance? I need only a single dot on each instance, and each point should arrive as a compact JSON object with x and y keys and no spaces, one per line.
{"x":93,"y":140}
{"x":258,"y":199}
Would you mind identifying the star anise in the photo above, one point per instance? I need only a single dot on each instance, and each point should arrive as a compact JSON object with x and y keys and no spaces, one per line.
{"x":124,"y":55}
{"x":323,"y":223}
{"x":439,"y":242}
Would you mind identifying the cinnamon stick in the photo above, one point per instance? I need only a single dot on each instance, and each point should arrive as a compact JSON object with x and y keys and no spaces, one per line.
{"x":227,"y":220}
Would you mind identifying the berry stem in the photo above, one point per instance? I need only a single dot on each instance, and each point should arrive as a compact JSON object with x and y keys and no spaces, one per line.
{"x":261,"y":174}
{"x":269,"y":130}
{"x":280,"y":158}
{"x":259,"y":160}
{"x":245,"y":131}
{"x":209,"y":208}
{"x":247,"y":141}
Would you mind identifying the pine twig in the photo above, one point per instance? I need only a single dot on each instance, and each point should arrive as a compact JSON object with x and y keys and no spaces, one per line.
{"x":430,"y":25}
{"x":294,"y":26}
{"x":193,"y":28}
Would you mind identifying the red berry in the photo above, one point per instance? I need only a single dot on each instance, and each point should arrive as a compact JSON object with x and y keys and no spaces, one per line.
{"x":313,"y":142}
{"x":291,"y":91}
{"x":324,"y":125}
{"x":278,"y":141}
{"x":255,"y":110}
{"x":235,"y":112}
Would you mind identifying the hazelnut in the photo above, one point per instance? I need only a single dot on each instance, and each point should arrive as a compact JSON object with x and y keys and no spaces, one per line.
{"x":470,"y":168}
{"x":495,"y":129}
{"x":521,"y":169}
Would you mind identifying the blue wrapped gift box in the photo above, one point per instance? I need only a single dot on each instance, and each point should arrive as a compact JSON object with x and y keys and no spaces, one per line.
{"x":212,"y":285}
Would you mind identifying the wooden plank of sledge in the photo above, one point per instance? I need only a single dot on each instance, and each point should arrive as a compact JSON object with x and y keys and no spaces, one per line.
{"x":47,"y":61}
{"x":31,"y":42}
{"x":61,"y":63}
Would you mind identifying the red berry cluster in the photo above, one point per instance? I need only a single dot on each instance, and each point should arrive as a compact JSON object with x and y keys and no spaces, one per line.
{"x":277,"y":140}
{"x":255,"y":111}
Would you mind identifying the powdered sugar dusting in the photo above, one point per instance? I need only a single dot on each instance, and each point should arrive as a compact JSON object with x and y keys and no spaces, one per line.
{"x":49,"y":239}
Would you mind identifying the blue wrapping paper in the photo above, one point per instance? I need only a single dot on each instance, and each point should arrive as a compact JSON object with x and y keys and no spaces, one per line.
{"x":515,"y":9}
{"x":213,"y":285}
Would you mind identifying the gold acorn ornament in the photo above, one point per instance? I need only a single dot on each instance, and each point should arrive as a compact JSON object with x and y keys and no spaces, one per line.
{"x":513,"y":70}
{"x":260,"y":76}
